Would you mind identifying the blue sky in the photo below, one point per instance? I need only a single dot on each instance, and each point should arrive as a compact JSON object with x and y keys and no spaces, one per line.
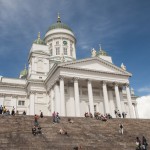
{"x":121,"y":26}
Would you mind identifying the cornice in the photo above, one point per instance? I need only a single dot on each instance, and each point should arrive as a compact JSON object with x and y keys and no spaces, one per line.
{"x":12,"y":85}
{"x":82,"y":69}
{"x":12,"y":95}
{"x":98,"y":59}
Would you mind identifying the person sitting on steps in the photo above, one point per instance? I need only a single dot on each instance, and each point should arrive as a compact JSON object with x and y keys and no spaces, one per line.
{"x":63,"y":132}
{"x":70,"y":120}
{"x":39,"y":130}
{"x":34,"y":130}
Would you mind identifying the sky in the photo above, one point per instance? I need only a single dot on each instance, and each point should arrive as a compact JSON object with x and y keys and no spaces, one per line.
{"x":122,"y":27}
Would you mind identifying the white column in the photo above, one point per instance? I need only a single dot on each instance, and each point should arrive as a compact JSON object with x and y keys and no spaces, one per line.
{"x":136,"y":110}
{"x":90,"y":94}
{"x":105,"y":94}
{"x":129,"y":101}
{"x":77,"y":98}
{"x":1,"y":99}
{"x":62,"y":97}
{"x":32,"y":103}
{"x":118,"y":98}
{"x":112,"y":107}
{"x":70,"y":104}
{"x":122,"y":101}
{"x":52,"y":100}
{"x":57,"y":97}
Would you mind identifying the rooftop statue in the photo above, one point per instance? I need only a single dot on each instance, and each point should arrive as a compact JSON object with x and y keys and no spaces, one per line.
{"x":62,"y":58}
{"x":123,"y":66}
{"x":93,"y":52}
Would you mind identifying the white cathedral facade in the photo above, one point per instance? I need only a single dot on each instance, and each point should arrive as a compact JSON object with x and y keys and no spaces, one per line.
{"x":56,"y":81}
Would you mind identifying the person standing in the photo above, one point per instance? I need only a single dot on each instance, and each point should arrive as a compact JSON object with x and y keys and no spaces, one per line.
{"x":36,"y":123}
{"x":138,"y":143}
{"x":121,"y":128}
{"x":54,"y":117}
{"x":41,"y":114}
{"x":144,"y":143}
{"x":1,"y":109}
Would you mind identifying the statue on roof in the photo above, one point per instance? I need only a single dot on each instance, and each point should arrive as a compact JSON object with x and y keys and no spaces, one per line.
{"x":123,"y":66}
{"x":101,"y":51}
{"x":62,"y":58}
{"x":93,"y":52}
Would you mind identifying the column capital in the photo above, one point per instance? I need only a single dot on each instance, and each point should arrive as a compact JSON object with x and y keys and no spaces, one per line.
{"x":127,"y":84}
{"x":104,"y":82}
{"x":89,"y":80}
{"x":75,"y":79}
{"x":56,"y":82}
{"x":116,"y":83}
{"x":61,"y":77}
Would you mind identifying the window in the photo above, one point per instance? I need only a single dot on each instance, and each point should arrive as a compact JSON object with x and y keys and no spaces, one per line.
{"x":57,"y":51}
{"x":51,"y":52}
{"x":39,"y":65}
{"x":94,"y":108}
{"x":21,"y":103}
{"x":57,"y":42}
{"x":65,"y":51}
{"x":71,"y":51}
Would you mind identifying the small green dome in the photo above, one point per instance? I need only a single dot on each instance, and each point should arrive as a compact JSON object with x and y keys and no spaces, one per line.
{"x":59,"y":25}
{"x":23,"y":73}
{"x":102,"y":52}
{"x":39,"y":40}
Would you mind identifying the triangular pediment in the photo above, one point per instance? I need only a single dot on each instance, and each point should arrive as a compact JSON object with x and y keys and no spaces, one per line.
{"x":96,"y":64}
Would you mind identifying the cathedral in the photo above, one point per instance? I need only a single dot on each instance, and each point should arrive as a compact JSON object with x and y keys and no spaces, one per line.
{"x":55,"y":80}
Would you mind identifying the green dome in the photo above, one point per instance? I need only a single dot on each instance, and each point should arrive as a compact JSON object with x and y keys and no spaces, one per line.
{"x":39,"y":40}
{"x":102,"y":52}
{"x":23,"y":73}
{"x":59,"y":25}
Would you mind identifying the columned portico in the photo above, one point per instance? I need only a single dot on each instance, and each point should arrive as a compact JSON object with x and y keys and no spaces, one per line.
{"x":76,"y":96}
{"x":32,"y":105}
{"x":57,"y":97}
{"x":62,"y":97}
{"x":105,"y":93}
{"x":129,"y":101}
{"x":90,"y":95}
{"x":118,"y":98}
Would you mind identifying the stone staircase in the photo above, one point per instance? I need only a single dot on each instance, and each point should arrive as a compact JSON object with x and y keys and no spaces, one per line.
{"x":91,"y":134}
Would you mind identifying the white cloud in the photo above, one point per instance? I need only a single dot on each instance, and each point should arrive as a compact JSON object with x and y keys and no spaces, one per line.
{"x":144,"y":89}
{"x":143,"y":105}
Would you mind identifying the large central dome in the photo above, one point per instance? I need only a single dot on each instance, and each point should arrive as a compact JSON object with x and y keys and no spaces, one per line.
{"x":59,"y":25}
